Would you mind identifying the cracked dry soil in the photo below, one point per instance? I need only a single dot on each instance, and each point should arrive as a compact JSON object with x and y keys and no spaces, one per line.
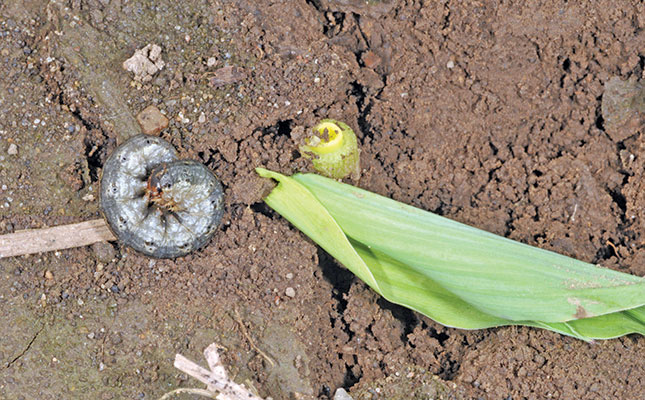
{"x":485,"y":113}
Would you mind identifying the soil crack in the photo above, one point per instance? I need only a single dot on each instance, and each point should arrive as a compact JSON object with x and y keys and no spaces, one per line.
{"x":364,"y":106}
{"x":26,"y":349}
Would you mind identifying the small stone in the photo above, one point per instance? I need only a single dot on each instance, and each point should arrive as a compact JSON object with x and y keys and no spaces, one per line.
{"x":97,"y":16}
{"x":211,"y":61}
{"x":12,"y":150}
{"x":152,"y":121}
{"x":90,"y":335}
{"x":450,"y":64}
{"x":88,"y":197}
{"x":341,"y":394}
{"x":182,"y":119}
{"x":104,"y":252}
{"x":290,"y":292}
{"x":49,"y":276}
{"x":371,"y":59}
{"x":289,"y":275}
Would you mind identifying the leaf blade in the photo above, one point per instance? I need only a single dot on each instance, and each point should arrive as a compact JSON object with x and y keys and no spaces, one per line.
{"x":404,"y":285}
{"x":486,"y":270}
{"x":299,"y":207}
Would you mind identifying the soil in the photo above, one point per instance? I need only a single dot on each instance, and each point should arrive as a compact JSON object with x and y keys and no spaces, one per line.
{"x":485,"y":113}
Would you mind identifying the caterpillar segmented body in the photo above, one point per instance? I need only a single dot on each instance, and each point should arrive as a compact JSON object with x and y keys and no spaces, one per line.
{"x":157,"y":204}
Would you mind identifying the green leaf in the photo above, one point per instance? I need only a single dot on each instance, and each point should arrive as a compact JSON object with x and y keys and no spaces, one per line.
{"x":501,"y":277}
{"x":294,"y":202}
{"x":457,"y":275}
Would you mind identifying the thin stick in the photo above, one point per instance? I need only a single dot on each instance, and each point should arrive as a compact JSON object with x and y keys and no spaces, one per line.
{"x":56,"y":238}
{"x":238,"y":319}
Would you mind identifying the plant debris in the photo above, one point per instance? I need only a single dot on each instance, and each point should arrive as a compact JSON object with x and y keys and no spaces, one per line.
{"x":227,"y":75}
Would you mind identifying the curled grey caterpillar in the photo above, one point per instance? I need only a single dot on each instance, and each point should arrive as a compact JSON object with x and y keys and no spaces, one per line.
{"x":156,"y":204}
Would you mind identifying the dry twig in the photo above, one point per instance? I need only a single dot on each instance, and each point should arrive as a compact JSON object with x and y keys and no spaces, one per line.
{"x":216,"y":379}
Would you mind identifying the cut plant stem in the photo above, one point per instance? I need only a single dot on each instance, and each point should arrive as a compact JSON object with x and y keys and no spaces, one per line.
{"x":55,"y":238}
{"x":333,"y":149}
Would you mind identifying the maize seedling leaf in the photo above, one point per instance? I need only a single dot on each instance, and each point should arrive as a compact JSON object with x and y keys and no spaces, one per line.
{"x":457,"y":275}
